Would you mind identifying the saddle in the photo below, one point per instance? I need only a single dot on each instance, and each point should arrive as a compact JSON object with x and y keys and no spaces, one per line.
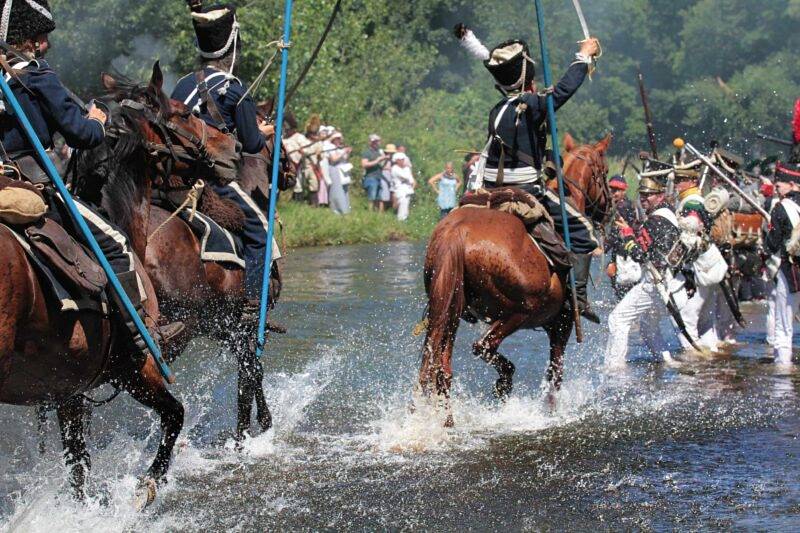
{"x":49,"y":241}
{"x":533,"y":215}
{"x":222,"y":211}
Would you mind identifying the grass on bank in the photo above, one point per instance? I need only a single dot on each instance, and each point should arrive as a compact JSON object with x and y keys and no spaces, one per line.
{"x":313,"y":226}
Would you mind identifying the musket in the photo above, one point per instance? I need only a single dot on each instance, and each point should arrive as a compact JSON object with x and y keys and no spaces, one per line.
{"x":776,"y":140}
{"x":648,"y":117}
{"x":669,"y":301}
{"x":746,"y":197}
{"x":733,"y":303}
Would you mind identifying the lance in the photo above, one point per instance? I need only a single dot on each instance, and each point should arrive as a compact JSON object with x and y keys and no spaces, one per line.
{"x":273,"y":190}
{"x":648,"y":117}
{"x":746,"y":197}
{"x":52,"y":173}
{"x":551,"y":114}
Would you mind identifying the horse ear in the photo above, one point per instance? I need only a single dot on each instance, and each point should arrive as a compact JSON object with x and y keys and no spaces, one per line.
{"x":603,"y":145}
{"x":569,"y":143}
{"x":109,"y":82}
{"x":157,"y":79}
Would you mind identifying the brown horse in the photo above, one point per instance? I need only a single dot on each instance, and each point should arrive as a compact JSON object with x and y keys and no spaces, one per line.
{"x":481,"y":265}
{"x":49,"y":357}
{"x":209,"y":296}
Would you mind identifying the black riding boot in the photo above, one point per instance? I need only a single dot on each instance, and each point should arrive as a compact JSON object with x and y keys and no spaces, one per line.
{"x":161,"y":335}
{"x":582,"y":265}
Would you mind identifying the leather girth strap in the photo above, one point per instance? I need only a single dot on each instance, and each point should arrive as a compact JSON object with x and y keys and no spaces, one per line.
{"x":211,"y":105}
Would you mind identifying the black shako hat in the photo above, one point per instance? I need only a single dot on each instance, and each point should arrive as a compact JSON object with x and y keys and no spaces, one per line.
{"x":24,"y":19}
{"x":787,"y":173}
{"x":217,"y":30}
{"x":511,"y":65}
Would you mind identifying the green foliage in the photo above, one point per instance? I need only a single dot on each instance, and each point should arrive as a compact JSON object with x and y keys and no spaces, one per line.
{"x":715,"y":68}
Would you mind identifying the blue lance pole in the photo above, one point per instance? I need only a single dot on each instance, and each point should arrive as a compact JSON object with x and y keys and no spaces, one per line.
{"x":551,"y":114}
{"x":52,"y":173}
{"x":273,"y":190}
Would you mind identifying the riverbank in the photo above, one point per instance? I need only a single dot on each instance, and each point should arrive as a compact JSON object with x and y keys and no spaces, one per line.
{"x":309,"y":226}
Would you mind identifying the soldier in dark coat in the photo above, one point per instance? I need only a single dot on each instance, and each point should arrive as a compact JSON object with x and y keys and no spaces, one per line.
{"x":515,"y":154}
{"x":26,"y":24}
{"x":785,"y":218}
{"x":219,"y":98}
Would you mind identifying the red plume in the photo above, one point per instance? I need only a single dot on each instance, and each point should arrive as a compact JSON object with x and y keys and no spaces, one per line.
{"x":796,"y":122}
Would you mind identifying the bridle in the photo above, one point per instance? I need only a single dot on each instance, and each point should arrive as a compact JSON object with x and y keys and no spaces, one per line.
{"x":193,"y":150}
{"x":599,"y":171}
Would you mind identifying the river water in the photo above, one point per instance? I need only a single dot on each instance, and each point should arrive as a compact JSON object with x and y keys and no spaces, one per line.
{"x":698,"y":445}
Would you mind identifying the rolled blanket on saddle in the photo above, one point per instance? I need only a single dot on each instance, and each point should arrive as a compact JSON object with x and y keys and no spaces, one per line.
{"x":20,"y":202}
{"x":533,"y":215}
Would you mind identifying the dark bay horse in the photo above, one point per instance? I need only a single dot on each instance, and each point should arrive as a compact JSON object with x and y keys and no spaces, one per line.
{"x":480,"y":263}
{"x":209,"y":296}
{"x":49,"y":357}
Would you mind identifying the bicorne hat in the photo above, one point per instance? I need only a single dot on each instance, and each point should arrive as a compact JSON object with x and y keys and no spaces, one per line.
{"x":511,"y":65}
{"x":24,"y":19}
{"x":217,"y":30}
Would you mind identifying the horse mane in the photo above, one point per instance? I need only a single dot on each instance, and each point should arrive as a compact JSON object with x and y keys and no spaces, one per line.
{"x":110,"y":174}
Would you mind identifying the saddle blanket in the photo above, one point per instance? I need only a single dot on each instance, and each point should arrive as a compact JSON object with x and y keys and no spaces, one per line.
{"x":69,"y":300}
{"x":216,"y":243}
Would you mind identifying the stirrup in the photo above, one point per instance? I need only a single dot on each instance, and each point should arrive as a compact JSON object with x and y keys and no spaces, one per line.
{"x":170,"y":331}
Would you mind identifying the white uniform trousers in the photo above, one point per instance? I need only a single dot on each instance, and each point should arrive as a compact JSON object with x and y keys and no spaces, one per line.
{"x":770,"y":325}
{"x":784,"y":303}
{"x":642,"y":304}
{"x":698,"y":313}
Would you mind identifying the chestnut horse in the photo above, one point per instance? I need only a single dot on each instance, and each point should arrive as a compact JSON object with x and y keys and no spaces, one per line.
{"x":209,"y":296}
{"x":481,"y":264}
{"x":50,"y":357}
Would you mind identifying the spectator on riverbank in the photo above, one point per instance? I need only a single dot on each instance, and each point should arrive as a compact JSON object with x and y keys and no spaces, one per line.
{"x":387,"y":182}
{"x":404,"y":184}
{"x":339,"y":170}
{"x":446,"y":185}
{"x":372,"y":160}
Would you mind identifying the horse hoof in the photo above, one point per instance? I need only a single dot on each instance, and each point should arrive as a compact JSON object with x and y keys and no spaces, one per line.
{"x":502,"y":388}
{"x":265,"y":423}
{"x":145,"y":494}
{"x":449,"y":422}
{"x":551,"y":402}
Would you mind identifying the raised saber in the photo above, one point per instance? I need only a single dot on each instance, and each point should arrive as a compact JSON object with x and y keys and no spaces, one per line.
{"x":584,"y":26}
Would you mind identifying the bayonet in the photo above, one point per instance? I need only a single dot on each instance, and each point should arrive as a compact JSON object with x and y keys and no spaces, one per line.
{"x":648,"y":117}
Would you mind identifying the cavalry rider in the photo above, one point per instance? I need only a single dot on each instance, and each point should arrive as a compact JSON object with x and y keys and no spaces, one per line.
{"x":780,"y":243}
{"x":515,"y":154}
{"x":26,"y":24}
{"x":643,"y":301}
{"x":220,"y":99}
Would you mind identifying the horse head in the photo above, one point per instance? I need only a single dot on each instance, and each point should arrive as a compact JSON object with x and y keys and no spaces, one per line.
{"x":182,"y":143}
{"x":585,"y":172}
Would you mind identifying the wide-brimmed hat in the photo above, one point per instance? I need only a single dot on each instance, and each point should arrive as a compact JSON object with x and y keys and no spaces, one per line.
{"x":399,"y":156}
{"x":390,"y":148}
{"x":373,"y":137}
{"x":511,"y":65}
{"x":217,"y":30}
{"x":21,"y":20}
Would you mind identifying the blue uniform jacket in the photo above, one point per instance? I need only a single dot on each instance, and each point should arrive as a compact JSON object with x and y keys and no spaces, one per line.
{"x":49,"y":110}
{"x":523,"y":132}
{"x":226,"y":93}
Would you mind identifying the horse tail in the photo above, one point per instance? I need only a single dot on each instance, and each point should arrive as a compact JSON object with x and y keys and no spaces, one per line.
{"x":444,"y":282}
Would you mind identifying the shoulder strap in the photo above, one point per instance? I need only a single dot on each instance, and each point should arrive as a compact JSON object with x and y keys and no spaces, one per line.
{"x":792,"y":210}
{"x":668,"y":214}
{"x":205,"y":98}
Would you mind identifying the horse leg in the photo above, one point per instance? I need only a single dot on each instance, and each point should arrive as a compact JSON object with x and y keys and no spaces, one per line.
{"x":486,"y":349}
{"x":70,"y":420}
{"x":558,"y":332}
{"x":262,"y":409}
{"x":148,"y":388}
{"x":41,"y":427}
